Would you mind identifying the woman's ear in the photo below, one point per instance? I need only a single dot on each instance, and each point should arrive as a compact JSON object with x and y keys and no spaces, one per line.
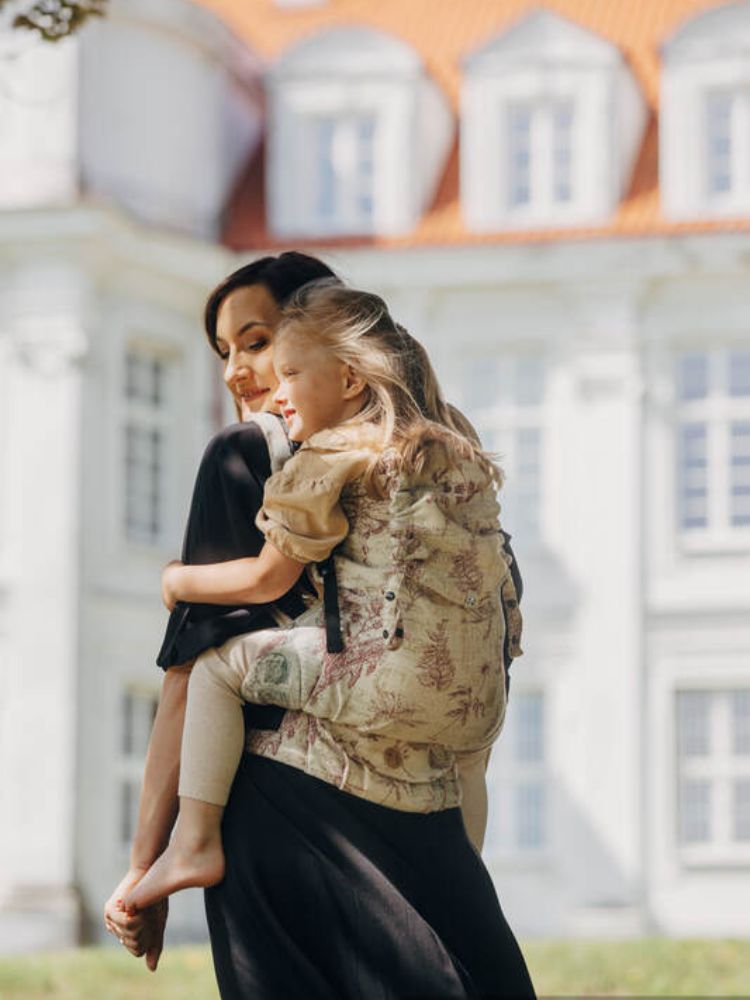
{"x":354,"y":383}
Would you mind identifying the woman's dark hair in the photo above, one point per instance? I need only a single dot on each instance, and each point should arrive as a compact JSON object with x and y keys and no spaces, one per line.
{"x":282,"y":276}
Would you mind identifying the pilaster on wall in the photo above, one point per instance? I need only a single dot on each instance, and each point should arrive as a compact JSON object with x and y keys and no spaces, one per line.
{"x":604,"y":555}
{"x":43,"y":379}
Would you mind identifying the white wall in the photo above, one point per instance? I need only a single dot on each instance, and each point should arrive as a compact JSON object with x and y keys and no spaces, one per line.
{"x":167,"y":113}
{"x":38,"y":121}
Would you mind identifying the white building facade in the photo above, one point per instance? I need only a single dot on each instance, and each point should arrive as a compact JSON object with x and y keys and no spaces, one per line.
{"x":609,"y":369}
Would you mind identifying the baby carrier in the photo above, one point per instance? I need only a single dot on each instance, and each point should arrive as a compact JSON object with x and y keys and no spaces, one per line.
{"x":426,"y":542}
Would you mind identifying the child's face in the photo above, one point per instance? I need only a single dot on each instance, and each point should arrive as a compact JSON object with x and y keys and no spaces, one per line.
{"x":315,"y":390}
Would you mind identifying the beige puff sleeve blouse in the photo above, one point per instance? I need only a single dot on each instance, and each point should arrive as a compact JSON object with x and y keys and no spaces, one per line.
{"x":302,"y":513}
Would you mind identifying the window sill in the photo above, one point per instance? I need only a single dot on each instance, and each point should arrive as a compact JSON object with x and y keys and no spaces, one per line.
{"x":707,"y":859}
{"x":710,"y":543}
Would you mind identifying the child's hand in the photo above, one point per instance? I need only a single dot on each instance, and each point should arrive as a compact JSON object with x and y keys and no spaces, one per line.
{"x":170,"y":578}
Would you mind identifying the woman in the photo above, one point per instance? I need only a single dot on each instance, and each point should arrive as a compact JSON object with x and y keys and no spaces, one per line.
{"x":240,"y":317}
{"x":327,"y":895}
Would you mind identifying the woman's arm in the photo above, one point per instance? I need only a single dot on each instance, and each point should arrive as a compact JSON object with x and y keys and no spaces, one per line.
{"x":143,"y":933}
{"x":158,"y":805}
{"x":252,"y":580}
{"x":472,"y":776}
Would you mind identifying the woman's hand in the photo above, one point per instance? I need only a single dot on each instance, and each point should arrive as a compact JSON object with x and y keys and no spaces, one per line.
{"x":170,"y":579}
{"x":141,"y":932}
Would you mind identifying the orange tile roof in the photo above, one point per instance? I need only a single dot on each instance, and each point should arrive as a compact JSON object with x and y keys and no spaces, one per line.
{"x":444,"y":32}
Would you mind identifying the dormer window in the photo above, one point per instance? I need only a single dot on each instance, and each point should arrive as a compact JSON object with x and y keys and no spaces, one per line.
{"x":540,"y":154}
{"x":720,"y":149}
{"x":350,"y":152}
{"x":552,"y":120}
{"x":727,"y":148}
{"x":344,"y":170}
{"x":705,"y":107}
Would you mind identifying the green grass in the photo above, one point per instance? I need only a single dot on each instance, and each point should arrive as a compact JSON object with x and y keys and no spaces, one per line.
{"x":653,"y":967}
{"x":648,"y":967}
{"x":108,"y":974}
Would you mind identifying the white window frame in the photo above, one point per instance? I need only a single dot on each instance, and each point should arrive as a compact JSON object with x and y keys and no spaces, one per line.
{"x":507,"y":775}
{"x":129,"y":764}
{"x":718,"y":411}
{"x":159,"y":418}
{"x":737,"y":197}
{"x":499,"y":425}
{"x":349,"y":185}
{"x":542,"y":180}
{"x":720,"y":768}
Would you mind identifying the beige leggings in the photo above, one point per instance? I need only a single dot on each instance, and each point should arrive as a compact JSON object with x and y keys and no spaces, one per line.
{"x":246,"y":669}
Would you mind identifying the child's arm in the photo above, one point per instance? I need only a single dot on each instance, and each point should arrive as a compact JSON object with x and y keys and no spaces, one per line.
{"x":251,"y":580}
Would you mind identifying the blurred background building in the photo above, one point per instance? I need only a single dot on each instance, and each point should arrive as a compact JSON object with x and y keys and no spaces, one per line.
{"x":556,"y":200}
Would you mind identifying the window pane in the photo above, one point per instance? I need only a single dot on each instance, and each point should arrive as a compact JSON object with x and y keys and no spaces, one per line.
{"x":695,"y":812}
{"x":143,"y":478}
{"x":365,"y":166}
{"x":528,"y":728}
{"x":529,"y":813}
{"x":128,"y":811}
{"x":138,"y":714}
{"x":127,"y":724}
{"x":741,"y":809}
{"x":739,"y":373}
{"x":325,"y":132}
{"x":692,"y":476}
{"x":144,"y":378}
{"x":739,"y":450}
{"x":509,"y":381}
{"x":482,"y":384}
{"x":693,"y":720}
{"x":562,"y":152}
{"x":519,"y":154}
{"x":740,"y":722}
{"x":692,"y":376}
{"x":528,"y":385}
{"x":525,"y":483}
{"x":719,"y":114}
{"x":158,"y":373}
{"x":345,"y":154}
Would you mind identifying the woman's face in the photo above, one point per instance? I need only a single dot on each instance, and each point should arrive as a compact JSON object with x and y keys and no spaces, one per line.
{"x":245,"y":326}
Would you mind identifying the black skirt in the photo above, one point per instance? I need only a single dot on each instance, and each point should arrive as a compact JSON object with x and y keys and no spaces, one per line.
{"x":328,"y":896}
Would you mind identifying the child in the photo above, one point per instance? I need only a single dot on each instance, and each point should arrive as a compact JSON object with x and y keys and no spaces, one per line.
{"x":410,"y":508}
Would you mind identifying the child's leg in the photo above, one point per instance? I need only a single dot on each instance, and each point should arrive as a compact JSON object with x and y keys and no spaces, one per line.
{"x":212,"y":744}
{"x":472,"y":778}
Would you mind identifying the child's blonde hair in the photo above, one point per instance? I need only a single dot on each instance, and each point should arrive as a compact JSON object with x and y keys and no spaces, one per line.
{"x":403,"y":394}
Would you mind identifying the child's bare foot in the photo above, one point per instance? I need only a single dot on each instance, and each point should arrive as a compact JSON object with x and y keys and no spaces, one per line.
{"x":194,"y":857}
{"x":178,"y":868}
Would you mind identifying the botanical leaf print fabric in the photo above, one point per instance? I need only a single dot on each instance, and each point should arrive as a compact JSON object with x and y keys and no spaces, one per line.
{"x":420,"y":681}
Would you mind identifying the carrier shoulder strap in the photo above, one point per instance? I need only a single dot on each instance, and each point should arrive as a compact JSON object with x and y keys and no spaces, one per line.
{"x":272,"y":429}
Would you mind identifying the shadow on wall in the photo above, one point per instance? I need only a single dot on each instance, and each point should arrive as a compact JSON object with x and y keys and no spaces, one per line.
{"x":572,"y":886}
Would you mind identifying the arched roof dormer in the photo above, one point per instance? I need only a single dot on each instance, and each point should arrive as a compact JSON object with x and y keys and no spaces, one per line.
{"x":358,"y":136}
{"x":552,"y":121}
{"x":705,"y":115}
